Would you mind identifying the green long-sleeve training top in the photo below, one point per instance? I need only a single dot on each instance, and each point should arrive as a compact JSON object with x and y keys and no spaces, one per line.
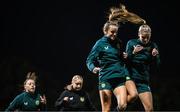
{"x":139,"y":63}
{"x":107,"y":55}
{"x":26,"y":102}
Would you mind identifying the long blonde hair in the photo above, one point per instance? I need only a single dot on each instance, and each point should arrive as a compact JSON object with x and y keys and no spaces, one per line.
{"x":122,"y":15}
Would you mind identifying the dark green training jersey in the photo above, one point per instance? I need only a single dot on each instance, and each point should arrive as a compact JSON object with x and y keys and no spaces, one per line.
{"x":106,"y":54}
{"x":139,"y":63}
{"x":25,"y":102}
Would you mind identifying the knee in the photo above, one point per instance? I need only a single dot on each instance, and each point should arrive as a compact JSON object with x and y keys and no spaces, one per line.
{"x":133,"y":96}
{"x":148,"y":108}
{"x":122,"y":106}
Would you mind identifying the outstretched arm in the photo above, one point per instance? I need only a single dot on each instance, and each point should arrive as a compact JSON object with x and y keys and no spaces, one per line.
{"x":15,"y":104}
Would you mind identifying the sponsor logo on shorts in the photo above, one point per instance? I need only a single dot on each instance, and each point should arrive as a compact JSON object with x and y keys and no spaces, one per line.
{"x":128,"y":78}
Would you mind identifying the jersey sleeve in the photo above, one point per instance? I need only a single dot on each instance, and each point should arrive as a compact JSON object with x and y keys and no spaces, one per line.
{"x":93,"y":55}
{"x":15,"y":104}
{"x":129,"y":49}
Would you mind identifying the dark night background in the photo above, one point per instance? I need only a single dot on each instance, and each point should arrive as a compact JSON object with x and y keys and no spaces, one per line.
{"x":54,"y":37}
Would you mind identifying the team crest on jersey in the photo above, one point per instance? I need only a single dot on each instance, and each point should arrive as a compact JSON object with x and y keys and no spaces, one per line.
{"x":37,"y":102}
{"x":103,"y":85}
{"x":82,"y":99}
